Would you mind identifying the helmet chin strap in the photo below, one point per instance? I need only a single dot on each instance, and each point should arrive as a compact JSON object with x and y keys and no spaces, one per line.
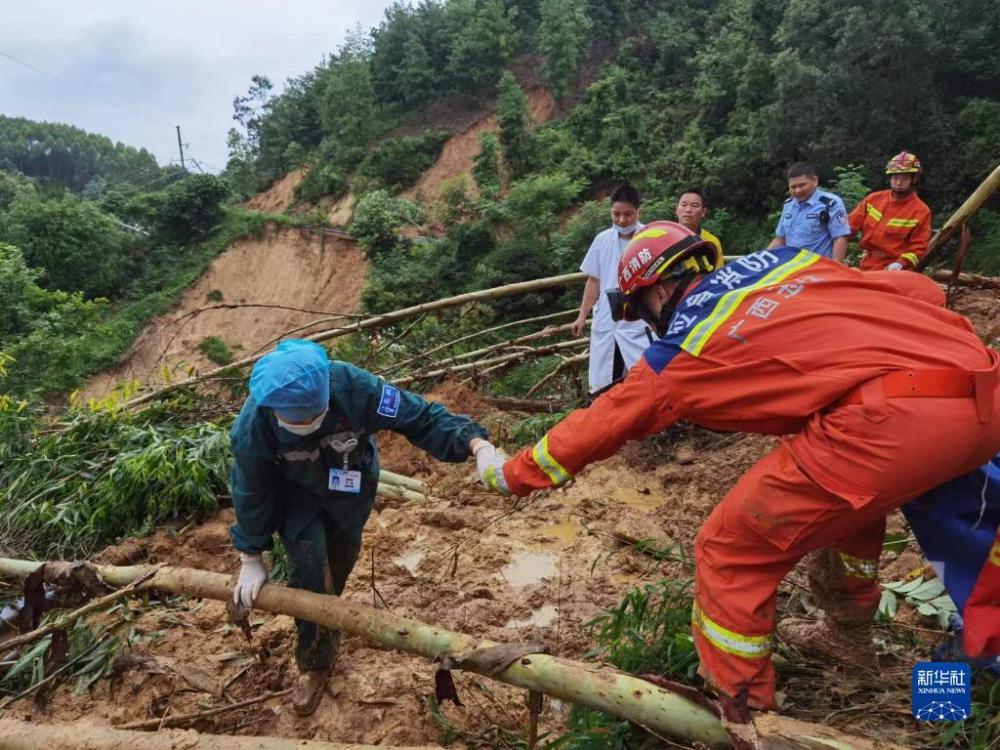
{"x":659,"y":323}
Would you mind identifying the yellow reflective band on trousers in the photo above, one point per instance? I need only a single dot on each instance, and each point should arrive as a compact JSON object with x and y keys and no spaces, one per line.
{"x":873,"y":212}
{"x":858,"y":567}
{"x":910,"y":258}
{"x":747,"y":646}
{"x":902,"y":222}
{"x":552,"y":468}
{"x":729,"y":301}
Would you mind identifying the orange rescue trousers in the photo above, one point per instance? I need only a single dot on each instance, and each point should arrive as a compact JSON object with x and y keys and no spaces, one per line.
{"x":831,"y":485}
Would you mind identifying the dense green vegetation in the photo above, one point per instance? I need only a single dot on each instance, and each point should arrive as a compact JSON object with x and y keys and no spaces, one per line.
{"x":95,"y":239}
{"x":722,"y":94}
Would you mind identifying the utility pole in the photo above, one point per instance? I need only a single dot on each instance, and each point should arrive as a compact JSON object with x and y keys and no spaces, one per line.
{"x":180,"y":146}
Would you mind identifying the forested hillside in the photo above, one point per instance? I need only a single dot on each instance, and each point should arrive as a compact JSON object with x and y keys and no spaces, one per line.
{"x":720,"y":94}
{"x":95,"y":238}
{"x":463,"y":145}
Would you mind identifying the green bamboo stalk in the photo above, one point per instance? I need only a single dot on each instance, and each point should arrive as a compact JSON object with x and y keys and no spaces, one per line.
{"x":380,"y":321}
{"x":391,"y":477}
{"x":597,"y":687}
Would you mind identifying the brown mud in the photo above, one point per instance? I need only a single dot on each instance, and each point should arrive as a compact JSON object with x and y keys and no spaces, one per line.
{"x":529,"y":570}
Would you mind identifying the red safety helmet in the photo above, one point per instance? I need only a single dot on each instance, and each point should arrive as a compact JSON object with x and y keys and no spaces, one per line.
{"x":663,"y":249}
{"x":903,"y":163}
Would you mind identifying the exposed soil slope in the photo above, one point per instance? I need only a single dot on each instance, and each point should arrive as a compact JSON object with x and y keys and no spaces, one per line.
{"x":279,"y":197}
{"x":460,"y":150}
{"x":287,"y":267}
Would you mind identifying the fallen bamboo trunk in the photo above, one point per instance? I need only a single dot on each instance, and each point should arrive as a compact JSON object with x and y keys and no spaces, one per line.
{"x":545,"y":333}
{"x":391,"y":477}
{"x":525,"y":404}
{"x":381,"y":321}
{"x":600,"y":688}
{"x":398,"y":492}
{"x":965,"y":212}
{"x":468,"y":337}
{"x":541,"y":351}
{"x":23,"y":735}
{"x":967,"y":279}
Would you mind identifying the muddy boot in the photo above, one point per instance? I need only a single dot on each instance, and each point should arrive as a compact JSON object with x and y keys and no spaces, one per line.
{"x":309,"y":690}
{"x":841,"y":645}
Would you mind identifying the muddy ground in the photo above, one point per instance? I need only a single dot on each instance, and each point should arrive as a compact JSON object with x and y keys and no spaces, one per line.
{"x":532,"y":570}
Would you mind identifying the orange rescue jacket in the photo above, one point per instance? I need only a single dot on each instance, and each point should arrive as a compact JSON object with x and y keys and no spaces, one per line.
{"x":892,"y":231}
{"x":761,"y":345}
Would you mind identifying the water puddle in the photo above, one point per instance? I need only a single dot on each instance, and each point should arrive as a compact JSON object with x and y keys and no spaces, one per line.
{"x":541,"y":617}
{"x":529,"y":567}
{"x":565,"y":531}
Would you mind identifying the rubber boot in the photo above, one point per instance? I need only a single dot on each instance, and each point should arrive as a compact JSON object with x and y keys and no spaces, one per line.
{"x":308,"y":690}
{"x":837,"y":643}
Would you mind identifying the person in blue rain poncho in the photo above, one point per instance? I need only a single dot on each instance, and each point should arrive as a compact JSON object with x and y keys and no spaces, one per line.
{"x":306,"y":467}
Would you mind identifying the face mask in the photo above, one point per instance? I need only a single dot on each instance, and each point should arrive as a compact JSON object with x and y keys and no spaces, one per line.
{"x":626,"y":230}
{"x":303,"y":429}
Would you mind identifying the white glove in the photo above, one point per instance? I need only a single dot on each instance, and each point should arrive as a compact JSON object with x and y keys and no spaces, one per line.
{"x":894,"y":267}
{"x":490,"y":463}
{"x":253,"y":576}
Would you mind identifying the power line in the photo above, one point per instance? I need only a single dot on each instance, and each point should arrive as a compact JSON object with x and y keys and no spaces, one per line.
{"x":56,"y":78}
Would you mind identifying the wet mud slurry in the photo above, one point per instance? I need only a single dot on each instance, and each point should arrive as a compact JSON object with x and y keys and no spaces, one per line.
{"x":533,"y":570}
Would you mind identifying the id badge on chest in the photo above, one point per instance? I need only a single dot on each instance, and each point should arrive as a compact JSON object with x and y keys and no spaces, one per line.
{"x":343,"y":480}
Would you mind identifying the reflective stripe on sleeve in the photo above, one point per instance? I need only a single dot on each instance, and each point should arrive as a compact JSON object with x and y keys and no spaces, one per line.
{"x":747,"y":646}
{"x":496,"y":480}
{"x":873,"y":212}
{"x":910,"y":258}
{"x":859,"y":567}
{"x":552,"y":468}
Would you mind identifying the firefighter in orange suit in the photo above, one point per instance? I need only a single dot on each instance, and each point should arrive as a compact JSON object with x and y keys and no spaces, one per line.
{"x":785,"y":342}
{"x":895,"y":224}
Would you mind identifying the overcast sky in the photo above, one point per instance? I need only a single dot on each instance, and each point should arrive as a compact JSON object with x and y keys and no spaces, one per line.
{"x":134,"y":70}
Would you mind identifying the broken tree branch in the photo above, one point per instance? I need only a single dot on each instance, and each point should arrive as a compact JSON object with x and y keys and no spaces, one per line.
{"x":564,"y":365}
{"x":597,"y":687}
{"x":23,"y":735}
{"x":380,"y":321}
{"x":175,"y":721}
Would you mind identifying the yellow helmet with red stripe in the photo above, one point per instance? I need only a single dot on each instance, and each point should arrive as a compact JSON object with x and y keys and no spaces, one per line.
{"x":903,"y":163}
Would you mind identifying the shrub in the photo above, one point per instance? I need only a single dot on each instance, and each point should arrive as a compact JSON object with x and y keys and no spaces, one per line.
{"x":397,"y":163}
{"x":191,"y":208}
{"x":216,"y":350}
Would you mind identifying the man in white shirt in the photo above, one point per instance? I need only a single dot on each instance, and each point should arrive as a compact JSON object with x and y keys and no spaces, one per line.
{"x":614,"y":347}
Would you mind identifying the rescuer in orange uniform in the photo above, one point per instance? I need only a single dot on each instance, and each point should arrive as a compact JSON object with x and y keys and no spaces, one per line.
{"x":895,"y":224}
{"x":785,"y":342}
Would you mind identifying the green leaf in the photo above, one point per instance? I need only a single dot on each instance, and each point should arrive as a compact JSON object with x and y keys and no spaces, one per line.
{"x":888,"y":605}
{"x":926,"y":609}
{"x":903,"y":587}
{"x":28,"y":658}
{"x":895,"y":542}
{"x":927,"y":590}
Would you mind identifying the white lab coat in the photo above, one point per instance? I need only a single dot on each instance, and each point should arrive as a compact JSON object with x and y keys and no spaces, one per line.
{"x":601,"y":262}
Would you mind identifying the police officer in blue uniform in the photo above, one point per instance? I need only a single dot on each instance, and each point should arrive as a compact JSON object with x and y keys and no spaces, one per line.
{"x":306,"y":466}
{"x":812,"y":218}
